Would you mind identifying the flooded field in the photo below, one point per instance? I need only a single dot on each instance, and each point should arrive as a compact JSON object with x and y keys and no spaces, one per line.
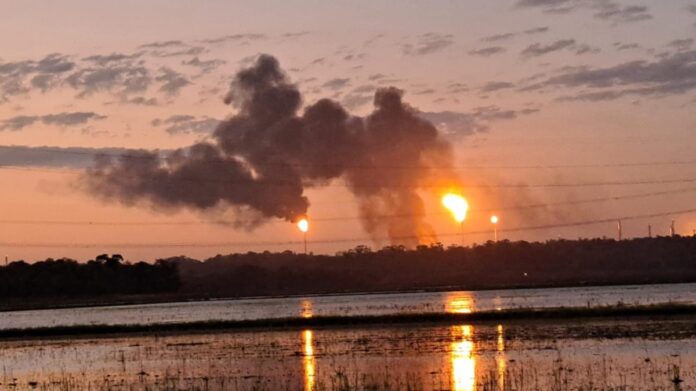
{"x":592,"y":355}
{"x":353,"y":305}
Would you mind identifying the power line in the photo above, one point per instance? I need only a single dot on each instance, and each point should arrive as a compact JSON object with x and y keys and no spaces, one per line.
{"x":344,"y":218}
{"x":387,"y":185}
{"x":342,"y":240}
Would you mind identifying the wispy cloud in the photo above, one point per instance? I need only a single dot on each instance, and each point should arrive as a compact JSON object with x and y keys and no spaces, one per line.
{"x":428,"y":43}
{"x":59,"y":119}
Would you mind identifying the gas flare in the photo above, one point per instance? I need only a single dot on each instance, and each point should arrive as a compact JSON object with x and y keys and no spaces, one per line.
{"x":303,"y":225}
{"x":457,"y":205}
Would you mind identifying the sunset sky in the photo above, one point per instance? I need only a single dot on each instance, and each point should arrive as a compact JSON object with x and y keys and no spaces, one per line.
{"x":585,"y":104}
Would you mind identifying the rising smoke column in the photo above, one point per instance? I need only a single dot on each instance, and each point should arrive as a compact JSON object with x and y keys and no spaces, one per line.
{"x":262,"y":158}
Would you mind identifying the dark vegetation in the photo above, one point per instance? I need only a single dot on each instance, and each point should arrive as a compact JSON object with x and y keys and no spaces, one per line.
{"x":491,"y":265}
{"x":104,"y":275}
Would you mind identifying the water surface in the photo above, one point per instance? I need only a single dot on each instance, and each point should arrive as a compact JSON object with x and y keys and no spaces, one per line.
{"x":352,"y":305}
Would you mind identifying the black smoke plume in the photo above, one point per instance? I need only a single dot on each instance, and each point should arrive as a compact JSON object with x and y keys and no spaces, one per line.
{"x":263,"y":158}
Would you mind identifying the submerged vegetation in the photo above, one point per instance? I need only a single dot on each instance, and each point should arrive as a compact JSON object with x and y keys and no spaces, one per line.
{"x":505,"y":356}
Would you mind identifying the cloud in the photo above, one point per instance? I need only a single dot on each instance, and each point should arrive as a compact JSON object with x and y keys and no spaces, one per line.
{"x":670,"y":75}
{"x":498,"y":37}
{"x":681,"y":44}
{"x":162,"y":44}
{"x":122,"y":79}
{"x":205,"y":66}
{"x":105,"y":60}
{"x":537,"y":49}
{"x":428,"y":43}
{"x":172,"y":81}
{"x":141,"y":101}
{"x":336,"y":84}
{"x":235,"y":38}
{"x":355,"y":101}
{"x":187,"y":124}
{"x":607,"y":10}
{"x":191,"y":51}
{"x":492,"y":86}
{"x":618,"y":14}
{"x":297,"y":34}
{"x":536,"y":30}
{"x":18,"y":122}
{"x":467,"y":123}
{"x":376,"y":76}
{"x":621,"y":46}
{"x":487,"y":51}
{"x":43,"y":74}
{"x":60,"y":119}
{"x":70,"y":157}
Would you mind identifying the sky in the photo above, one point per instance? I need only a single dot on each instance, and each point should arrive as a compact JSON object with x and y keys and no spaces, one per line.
{"x":563,"y":116}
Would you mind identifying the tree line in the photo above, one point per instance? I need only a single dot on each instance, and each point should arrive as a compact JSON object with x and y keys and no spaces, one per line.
{"x":104,"y":275}
{"x":502,"y":264}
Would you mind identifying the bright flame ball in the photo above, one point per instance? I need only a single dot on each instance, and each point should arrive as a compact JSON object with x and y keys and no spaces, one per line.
{"x":457,"y":205}
{"x":494,"y":219}
{"x":303,"y":225}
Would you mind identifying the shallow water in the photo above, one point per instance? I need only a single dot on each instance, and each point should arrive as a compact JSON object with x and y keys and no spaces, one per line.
{"x":511,"y":356}
{"x":352,"y":305}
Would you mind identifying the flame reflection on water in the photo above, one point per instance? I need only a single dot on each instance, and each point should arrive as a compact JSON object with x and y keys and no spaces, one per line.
{"x":308,"y":360}
{"x":459,"y":303}
{"x":462,"y":359}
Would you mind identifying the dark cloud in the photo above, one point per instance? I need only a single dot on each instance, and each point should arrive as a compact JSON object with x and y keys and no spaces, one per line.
{"x":492,"y":86}
{"x":171,"y":81}
{"x":487,"y":51}
{"x":682,"y":44}
{"x":72,"y":157}
{"x":537,"y":49}
{"x":455,"y":88}
{"x":122,"y":79}
{"x":60,"y":119}
{"x":621,"y":46}
{"x":17,"y":77}
{"x":297,"y":34}
{"x":608,"y":10}
{"x":376,"y":76}
{"x":235,"y":38}
{"x":458,"y":124}
{"x":163,"y":44}
{"x":113,"y":58}
{"x":190,"y":51}
{"x":536,"y":30}
{"x":498,"y":37}
{"x":367,"y":88}
{"x":19,"y":122}
{"x":584,"y":48}
{"x":206,"y":66}
{"x":141,"y":101}
{"x":616,"y":13}
{"x":336,"y":84}
{"x":672,"y":74}
{"x":187,"y":124}
{"x":261,"y":160}
{"x":428,"y":43}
